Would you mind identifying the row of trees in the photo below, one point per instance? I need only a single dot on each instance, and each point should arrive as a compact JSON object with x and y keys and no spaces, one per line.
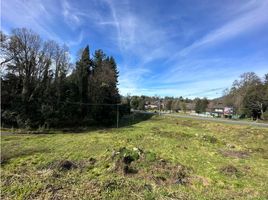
{"x":170,"y":103}
{"x":248,"y":96}
{"x":40,"y":88}
{"x":201,"y":105}
{"x":166,"y":104}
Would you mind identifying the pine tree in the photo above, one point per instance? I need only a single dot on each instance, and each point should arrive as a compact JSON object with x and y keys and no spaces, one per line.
{"x":82,"y":79}
{"x":105,"y":91}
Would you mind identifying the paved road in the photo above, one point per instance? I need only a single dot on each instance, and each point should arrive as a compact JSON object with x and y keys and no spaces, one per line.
{"x":227,"y":121}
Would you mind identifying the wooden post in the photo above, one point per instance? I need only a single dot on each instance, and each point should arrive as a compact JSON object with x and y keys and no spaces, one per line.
{"x":117,"y":116}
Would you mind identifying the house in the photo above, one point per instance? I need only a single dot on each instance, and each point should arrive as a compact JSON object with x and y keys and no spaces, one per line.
{"x":152,"y":105}
{"x":222,"y":111}
{"x":217,"y":110}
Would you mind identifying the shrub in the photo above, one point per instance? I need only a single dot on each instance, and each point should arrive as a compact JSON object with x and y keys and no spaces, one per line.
{"x":265,"y":115}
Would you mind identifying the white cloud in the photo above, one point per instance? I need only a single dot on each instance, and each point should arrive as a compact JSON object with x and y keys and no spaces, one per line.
{"x":31,"y":14}
{"x":71,"y":15}
{"x":246,"y":22}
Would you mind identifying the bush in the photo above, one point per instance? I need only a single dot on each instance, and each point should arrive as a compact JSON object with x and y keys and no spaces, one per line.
{"x":9,"y":118}
{"x":265,"y":115}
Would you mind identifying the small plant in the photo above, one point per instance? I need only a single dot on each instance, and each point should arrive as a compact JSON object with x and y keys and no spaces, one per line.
{"x":210,"y":139}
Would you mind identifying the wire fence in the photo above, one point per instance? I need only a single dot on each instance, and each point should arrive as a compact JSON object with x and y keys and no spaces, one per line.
{"x":117,"y":105}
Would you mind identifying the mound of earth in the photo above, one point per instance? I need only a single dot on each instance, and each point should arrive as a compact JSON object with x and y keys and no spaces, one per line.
{"x":160,"y":171}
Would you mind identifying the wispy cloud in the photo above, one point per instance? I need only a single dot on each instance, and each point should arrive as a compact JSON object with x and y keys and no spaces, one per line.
{"x":73,"y":16}
{"x":256,"y":17}
{"x":69,"y":14}
{"x":29,"y":14}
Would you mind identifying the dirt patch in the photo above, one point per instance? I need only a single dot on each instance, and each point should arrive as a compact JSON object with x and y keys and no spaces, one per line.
{"x":123,"y":160}
{"x":53,"y":189}
{"x":229,"y":170}
{"x":47,"y":192}
{"x":149,"y":166}
{"x":200,"y":179}
{"x":163,"y":172}
{"x":234,"y":154}
{"x":111,"y":185}
{"x":257,"y":150}
{"x":65,"y":165}
{"x":230,"y":146}
{"x":188,"y":123}
{"x":92,"y":161}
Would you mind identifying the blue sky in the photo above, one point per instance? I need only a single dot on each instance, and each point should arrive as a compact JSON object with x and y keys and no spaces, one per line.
{"x":162,"y":47}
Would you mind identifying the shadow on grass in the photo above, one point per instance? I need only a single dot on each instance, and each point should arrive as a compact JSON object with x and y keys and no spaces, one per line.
{"x":7,"y":154}
{"x":125,"y":121}
{"x":134,"y":118}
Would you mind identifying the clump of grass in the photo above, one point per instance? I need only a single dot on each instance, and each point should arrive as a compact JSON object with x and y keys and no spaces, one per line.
{"x":230,"y":170}
{"x":123,"y":159}
{"x":150,"y":156}
{"x":171,"y":134}
{"x":210,"y":139}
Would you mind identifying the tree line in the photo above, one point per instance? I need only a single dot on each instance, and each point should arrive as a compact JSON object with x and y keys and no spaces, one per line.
{"x":248,"y":97}
{"x":41,"y":87}
{"x":173,"y":104}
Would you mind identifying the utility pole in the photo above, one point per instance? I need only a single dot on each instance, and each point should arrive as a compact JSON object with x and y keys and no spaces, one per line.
{"x":159,"y":106}
{"x":117,"y":116}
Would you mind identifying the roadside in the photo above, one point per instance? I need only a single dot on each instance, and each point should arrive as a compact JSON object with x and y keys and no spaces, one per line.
{"x":227,"y":121}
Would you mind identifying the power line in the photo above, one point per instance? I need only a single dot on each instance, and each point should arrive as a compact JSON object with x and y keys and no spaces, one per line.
{"x":92,"y":104}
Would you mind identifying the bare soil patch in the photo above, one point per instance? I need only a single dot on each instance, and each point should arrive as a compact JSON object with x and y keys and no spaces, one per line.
{"x":234,"y":154}
{"x":230,"y":170}
{"x":160,"y":171}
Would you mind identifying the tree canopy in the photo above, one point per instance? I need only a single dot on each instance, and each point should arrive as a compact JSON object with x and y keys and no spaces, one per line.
{"x":39,"y":87}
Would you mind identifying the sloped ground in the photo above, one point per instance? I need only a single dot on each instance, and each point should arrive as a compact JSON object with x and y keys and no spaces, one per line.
{"x":161,"y":158}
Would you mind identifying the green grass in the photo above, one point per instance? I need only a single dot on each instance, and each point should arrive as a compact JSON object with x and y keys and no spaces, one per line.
{"x":173,"y":159}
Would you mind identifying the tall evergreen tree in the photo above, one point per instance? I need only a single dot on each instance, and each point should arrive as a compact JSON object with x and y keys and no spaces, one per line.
{"x":82,"y":79}
{"x":105,"y":90}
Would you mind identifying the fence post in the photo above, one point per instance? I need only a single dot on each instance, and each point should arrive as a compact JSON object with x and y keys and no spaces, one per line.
{"x":117,"y":116}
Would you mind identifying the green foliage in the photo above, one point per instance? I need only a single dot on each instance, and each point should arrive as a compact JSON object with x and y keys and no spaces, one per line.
{"x":137,"y":103}
{"x":201,"y":105}
{"x":265,"y":115}
{"x":183,"y":106}
{"x":249,"y":95}
{"x":141,"y":103}
{"x":134,"y":103}
{"x":37,"y":89}
{"x":150,"y":156}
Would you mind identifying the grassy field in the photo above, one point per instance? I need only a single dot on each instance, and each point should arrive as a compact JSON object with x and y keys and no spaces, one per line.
{"x":158,"y":158}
